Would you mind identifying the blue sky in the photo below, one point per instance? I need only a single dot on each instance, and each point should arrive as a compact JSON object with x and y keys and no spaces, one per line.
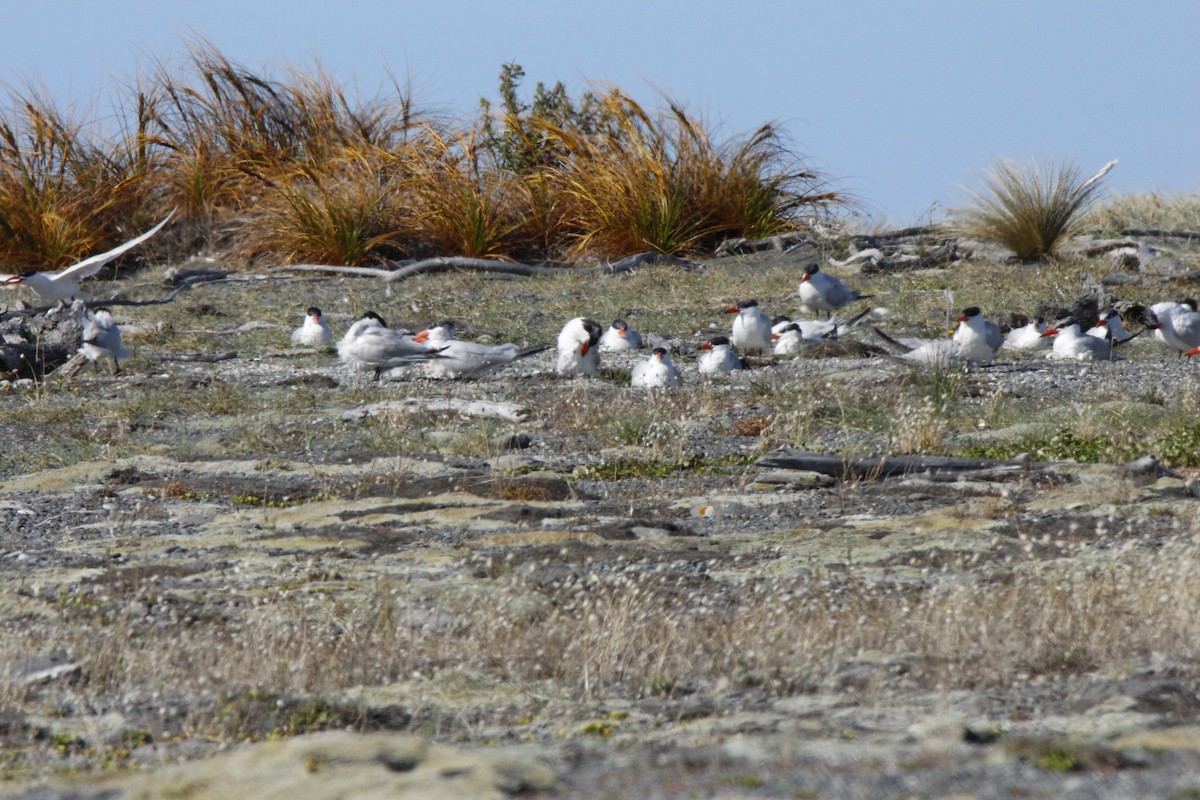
{"x":903,"y":102}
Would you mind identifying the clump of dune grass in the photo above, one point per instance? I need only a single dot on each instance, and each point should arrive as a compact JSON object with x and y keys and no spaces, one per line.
{"x":645,"y":182}
{"x":62,"y":193}
{"x":347,"y":212}
{"x":1147,"y":210}
{"x":1031,"y":209}
{"x":465,"y":203}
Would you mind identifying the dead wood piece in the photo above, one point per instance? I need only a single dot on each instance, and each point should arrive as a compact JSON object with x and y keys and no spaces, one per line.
{"x":460,"y":263}
{"x":1159,"y":233}
{"x":881,"y":239}
{"x":783,"y":242}
{"x":873,"y":467}
{"x":510,"y":412}
{"x":204,"y":358}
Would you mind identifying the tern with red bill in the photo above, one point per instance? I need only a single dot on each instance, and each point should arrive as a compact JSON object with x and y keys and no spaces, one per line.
{"x":790,"y":338}
{"x":751,"y":327}
{"x":975,"y":341}
{"x":462,"y":359}
{"x":314,"y":332}
{"x":370,"y":345}
{"x":1176,"y":323}
{"x":1028,"y":336}
{"x":1070,"y":343}
{"x":656,"y":372}
{"x":620,"y":336}
{"x":63,"y":284}
{"x":718,"y":356}
{"x":820,"y":291}
{"x":978,"y":338}
{"x":579,"y":348}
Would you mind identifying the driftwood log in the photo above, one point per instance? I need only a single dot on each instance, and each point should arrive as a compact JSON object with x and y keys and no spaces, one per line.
{"x":200,"y":358}
{"x":509,"y":412}
{"x":400,"y":271}
{"x":889,"y":466}
{"x":940,"y":468}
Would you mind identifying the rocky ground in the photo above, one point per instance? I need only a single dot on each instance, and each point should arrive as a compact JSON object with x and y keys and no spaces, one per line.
{"x":269,"y":576}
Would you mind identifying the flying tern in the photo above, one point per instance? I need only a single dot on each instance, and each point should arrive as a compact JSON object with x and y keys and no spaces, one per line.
{"x":63,"y":284}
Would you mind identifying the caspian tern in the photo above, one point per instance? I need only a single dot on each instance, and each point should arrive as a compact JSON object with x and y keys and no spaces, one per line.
{"x":977,"y":337}
{"x":578,"y":348}
{"x":975,"y":341}
{"x":1176,"y":324}
{"x":932,"y":352}
{"x":820,"y":291}
{"x":1072,"y":344}
{"x":751,"y":327}
{"x":656,"y":372}
{"x":462,"y":359}
{"x":1109,"y":326}
{"x":102,"y":338}
{"x":620,"y":336}
{"x":718,"y":356}
{"x":63,"y":284}
{"x":371,"y":345}
{"x":1028,"y":336}
{"x":830,"y":328}
{"x":790,"y":338}
{"x":314,"y":332}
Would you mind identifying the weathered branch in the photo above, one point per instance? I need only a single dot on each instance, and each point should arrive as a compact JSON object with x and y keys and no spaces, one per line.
{"x":205,"y":358}
{"x":463,"y":264}
{"x":510,"y":412}
{"x":873,"y":239}
{"x":869,"y":467}
{"x":939,"y":468}
{"x":1159,"y":233}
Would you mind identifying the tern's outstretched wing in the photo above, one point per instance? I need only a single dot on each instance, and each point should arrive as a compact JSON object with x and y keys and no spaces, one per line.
{"x":90,"y":266}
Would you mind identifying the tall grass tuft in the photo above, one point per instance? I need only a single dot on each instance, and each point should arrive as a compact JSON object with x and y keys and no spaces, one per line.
{"x":466,"y":204}
{"x":1031,"y":209}
{"x":62,"y":195}
{"x":1155,"y":210}
{"x":346,"y":212}
{"x":642,"y":182}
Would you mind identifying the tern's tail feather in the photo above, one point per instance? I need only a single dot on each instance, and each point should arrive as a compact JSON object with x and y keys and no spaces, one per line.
{"x":898,"y":348}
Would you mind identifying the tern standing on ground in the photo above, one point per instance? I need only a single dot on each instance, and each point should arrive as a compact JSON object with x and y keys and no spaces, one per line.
{"x":751,"y":327}
{"x":102,"y":338}
{"x":821,"y":291}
